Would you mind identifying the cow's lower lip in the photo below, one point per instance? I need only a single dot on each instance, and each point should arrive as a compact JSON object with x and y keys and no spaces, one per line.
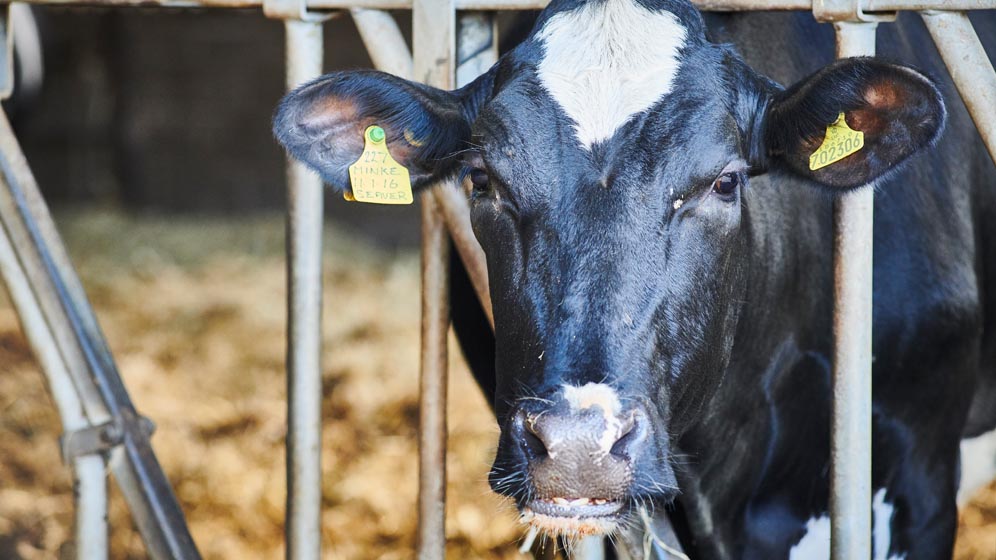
{"x":575,"y":508}
{"x":576,"y":518}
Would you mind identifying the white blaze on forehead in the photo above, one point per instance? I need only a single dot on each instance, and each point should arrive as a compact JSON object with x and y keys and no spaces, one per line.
{"x":607,"y":61}
{"x":605,"y":398}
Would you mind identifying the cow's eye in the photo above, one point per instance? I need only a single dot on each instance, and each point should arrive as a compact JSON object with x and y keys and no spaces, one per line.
{"x":726,"y":184}
{"x":479,"y":179}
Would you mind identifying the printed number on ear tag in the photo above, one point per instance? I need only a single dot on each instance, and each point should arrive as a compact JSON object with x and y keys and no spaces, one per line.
{"x":375,"y":177}
{"x":840,"y":142}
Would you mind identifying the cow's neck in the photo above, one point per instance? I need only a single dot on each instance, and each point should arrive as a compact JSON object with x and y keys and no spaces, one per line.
{"x":782,"y":330}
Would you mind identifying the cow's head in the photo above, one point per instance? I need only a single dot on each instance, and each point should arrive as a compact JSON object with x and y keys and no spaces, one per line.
{"x":610,"y":156}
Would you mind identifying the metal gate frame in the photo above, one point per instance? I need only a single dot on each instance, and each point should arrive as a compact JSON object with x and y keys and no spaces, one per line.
{"x":101,"y":425}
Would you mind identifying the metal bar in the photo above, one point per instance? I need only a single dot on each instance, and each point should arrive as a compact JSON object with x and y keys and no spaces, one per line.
{"x":389,"y":52}
{"x":70,"y":319}
{"x":434,"y":42}
{"x":850,"y":447}
{"x":304,"y":320}
{"x":384,"y":42}
{"x":477,"y":52}
{"x":476,"y":45}
{"x":970,"y":69}
{"x":90,"y":480}
{"x":90,"y":484}
{"x":453,"y":205}
{"x":917,"y":5}
{"x":432,"y":385}
{"x":705,"y":5}
{"x":589,"y":548}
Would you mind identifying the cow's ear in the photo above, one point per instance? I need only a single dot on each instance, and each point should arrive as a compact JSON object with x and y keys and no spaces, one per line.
{"x":322,"y":123}
{"x":898,"y":110}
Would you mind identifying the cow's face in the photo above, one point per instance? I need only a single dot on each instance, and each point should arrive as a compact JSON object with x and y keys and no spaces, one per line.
{"x":610,"y":157}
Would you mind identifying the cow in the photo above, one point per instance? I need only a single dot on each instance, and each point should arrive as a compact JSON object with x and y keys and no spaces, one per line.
{"x":659,"y":252}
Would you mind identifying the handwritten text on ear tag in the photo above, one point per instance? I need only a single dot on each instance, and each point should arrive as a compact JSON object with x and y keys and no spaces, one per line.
{"x":375,"y":177}
{"x":840,"y":142}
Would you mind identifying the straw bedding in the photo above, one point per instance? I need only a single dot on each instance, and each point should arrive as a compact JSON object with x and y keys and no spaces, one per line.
{"x":194,"y":311}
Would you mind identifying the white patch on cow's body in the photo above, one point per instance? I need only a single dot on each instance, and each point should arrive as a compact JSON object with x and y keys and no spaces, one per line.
{"x":815,"y":544}
{"x":978,"y":464}
{"x":607,"y":61}
{"x":882,"y":512}
{"x":606,"y":399}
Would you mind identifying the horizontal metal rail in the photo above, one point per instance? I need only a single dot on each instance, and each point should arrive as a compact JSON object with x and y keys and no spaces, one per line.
{"x":869,"y":6}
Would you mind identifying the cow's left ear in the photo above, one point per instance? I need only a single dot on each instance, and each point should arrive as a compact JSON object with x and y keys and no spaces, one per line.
{"x":322,"y":123}
{"x":898,"y":110}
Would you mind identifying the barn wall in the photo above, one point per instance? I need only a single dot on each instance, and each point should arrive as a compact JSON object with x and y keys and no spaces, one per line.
{"x":169,"y":111}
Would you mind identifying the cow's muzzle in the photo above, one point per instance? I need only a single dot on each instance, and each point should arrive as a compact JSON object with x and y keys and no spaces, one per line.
{"x":580,"y":452}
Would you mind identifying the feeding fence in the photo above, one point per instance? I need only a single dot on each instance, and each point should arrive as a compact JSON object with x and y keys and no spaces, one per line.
{"x":454,"y":41}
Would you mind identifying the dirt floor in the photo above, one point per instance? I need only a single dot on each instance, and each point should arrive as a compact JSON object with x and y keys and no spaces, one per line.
{"x":194,"y":311}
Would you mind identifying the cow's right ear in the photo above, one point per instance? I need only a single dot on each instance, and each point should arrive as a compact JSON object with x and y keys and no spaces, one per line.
{"x":322,"y":123}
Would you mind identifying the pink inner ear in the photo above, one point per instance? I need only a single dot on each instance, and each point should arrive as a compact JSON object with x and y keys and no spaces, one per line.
{"x":330,"y":114}
{"x":872,"y":121}
{"x":886,"y":95}
{"x":333,"y":107}
{"x":341,"y":119}
{"x":883,"y":97}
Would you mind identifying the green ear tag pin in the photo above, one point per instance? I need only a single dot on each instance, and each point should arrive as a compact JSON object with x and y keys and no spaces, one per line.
{"x":375,"y":177}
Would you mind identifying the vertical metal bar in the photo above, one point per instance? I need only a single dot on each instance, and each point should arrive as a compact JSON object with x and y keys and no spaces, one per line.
{"x":478,"y":50}
{"x":589,"y":548}
{"x":90,"y":480}
{"x":453,"y":205}
{"x":432,"y":385}
{"x":970,"y":69}
{"x":304,"y":321}
{"x":477,"y":45}
{"x":90,"y":484}
{"x":434,"y":43}
{"x":384,"y":42}
{"x":850,"y":470}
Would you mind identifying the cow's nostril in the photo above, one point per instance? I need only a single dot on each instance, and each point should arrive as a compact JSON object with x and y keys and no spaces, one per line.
{"x":533,"y":445}
{"x":631,"y":432}
{"x":528,"y":436}
{"x":621,"y":447}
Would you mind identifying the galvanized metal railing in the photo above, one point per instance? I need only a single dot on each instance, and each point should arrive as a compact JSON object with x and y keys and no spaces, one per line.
{"x":101,"y":424}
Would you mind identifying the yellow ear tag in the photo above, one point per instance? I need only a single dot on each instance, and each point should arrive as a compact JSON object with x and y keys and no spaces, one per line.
{"x":840,"y":142}
{"x":375,"y":177}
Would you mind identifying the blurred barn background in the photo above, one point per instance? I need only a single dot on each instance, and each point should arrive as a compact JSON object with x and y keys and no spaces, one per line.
{"x":150,"y":137}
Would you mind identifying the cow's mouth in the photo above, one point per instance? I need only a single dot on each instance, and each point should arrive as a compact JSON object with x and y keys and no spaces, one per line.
{"x":578,"y":517}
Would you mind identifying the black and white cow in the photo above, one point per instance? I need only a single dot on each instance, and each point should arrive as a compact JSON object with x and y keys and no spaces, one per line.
{"x":659,"y":255}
